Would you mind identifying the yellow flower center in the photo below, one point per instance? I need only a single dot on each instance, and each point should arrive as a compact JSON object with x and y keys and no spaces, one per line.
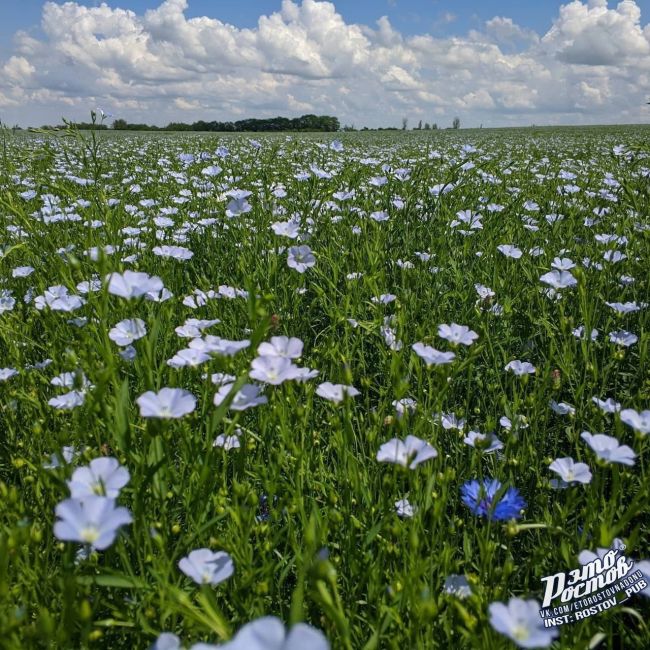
{"x":520,"y":632}
{"x":89,"y":534}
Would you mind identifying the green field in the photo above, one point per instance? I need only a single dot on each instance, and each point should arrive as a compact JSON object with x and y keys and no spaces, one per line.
{"x":359,"y":249}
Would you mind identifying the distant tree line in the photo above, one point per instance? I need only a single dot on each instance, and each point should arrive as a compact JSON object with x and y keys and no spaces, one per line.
{"x":429,"y":127}
{"x":426,"y":127}
{"x":82,"y":126}
{"x":303,"y":123}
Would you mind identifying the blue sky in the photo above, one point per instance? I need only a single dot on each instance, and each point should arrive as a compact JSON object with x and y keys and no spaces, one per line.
{"x":409,"y":16}
{"x":593,"y":66}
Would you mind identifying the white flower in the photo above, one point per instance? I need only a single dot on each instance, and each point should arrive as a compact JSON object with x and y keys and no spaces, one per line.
{"x":305,"y":374}
{"x":167,"y":641}
{"x":623,"y":338}
{"x":510,"y":251}
{"x":607,"y":406}
{"x":562,"y":408}
{"x":175,"y":252}
{"x":579,"y":333}
{"x":246,"y":397}
{"x":639,"y":421}
{"x":408,"y":453}
{"x":449,"y":421}
{"x":7,"y":303}
{"x":404,"y":509}
{"x":484,"y":293}
{"x":431,"y":356}
{"x":89,"y":286}
{"x":390,"y":338}
{"x":238,"y":205}
{"x":281,"y":346}
{"x":103,"y":477}
{"x":520,"y":367}
{"x":457,"y":585}
{"x":570,"y":471}
{"x":22,"y":271}
{"x":131,"y":284}
{"x":7,"y":373}
{"x":384,"y":298}
{"x":614,"y":256}
{"x":268,"y":633}
{"x":227,"y":442}
{"x":520,"y":621}
{"x":67,"y":455}
{"x":57,"y":298}
{"x":127,"y":331}
{"x":188,"y":358}
{"x":168,"y":403}
{"x":193,"y":327}
{"x":559,"y":279}
{"x":206,"y":567}
{"x":221,"y":378}
{"x":623,"y":307}
{"x":129,"y":353}
{"x":485,"y":442}
{"x":404,"y":406}
{"x":93,"y":520}
{"x":212,"y":170}
{"x":68,"y":401}
{"x":472,"y":220}
{"x":519,"y":422}
{"x":158,"y":296}
{"x":335,"y":392}
{"x":608,"y":449}
{"x":226,"y":291}
{"x":215,"y":345}
{"x":586,"y":556}
{"x":290,"y":229}
{"x":273,"y":370}
{"x":563,"y":264}
{"x":300,"y":258}
{"x":457,"y":334}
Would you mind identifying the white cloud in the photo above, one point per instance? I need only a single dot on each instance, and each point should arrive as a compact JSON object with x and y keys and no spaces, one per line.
{"x":18,"y":69}
{"x":504,"y":30}
{"x":593,"y":65}
{"x":591,"y":34}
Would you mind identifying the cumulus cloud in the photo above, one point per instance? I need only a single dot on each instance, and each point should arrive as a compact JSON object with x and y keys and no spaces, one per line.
{"x":504,"y":30}
{"x":591,"y":34}
{"x":18,"y":68}
{"x":158,"y":66}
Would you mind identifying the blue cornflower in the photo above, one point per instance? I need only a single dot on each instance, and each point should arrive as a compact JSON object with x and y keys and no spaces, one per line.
{"x":479,"y":498}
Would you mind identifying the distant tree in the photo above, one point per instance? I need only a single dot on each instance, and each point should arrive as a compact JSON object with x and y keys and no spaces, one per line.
{"x":427,"y":126}
{"x":434,"y":127}
{"x":304,"y":123}
{"x":82,"y":126}
{"x":420,"y":125}
{"x":405,"y":123}
{"x":456,"y":123}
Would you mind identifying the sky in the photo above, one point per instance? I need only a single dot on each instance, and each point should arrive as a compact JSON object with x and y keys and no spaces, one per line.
{"x":369,"y":62}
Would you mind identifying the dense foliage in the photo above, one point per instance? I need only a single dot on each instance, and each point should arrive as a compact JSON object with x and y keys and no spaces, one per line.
{"x":483,"y":292}
{"x":303,"y":123}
